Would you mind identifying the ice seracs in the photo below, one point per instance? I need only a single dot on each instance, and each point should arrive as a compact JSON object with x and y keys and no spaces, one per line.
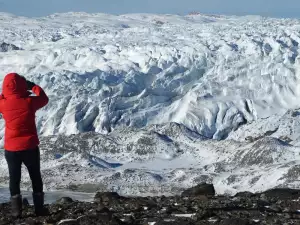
{"x":210,"y":73}
{"x":149,"y":93}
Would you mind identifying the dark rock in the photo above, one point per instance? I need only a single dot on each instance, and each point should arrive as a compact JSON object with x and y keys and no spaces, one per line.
{"x":129,"y":220}
{"x":82,"y":219}
{"x":205,"y":214}
{"x":281,"y":193}
{"x":5,"y":47}
{"x":202,"y":198}
{"x":235,"y":221}
{"x":150,"y":203}
{"x":245,"y":194}
{"x":64,"y":200}
{"x":262,"y":203}
{"x":295,"y":113}
{"x":285,"y":139}
{"x":30,"y":221}
{"x":68,"y":222}
{"x":274,"y":208}
{"x":102,"y":209}
{"x":106,"y":197}
{"x":169,"y":210}
{"x":201,"y":189}
{"x":112,"y":209}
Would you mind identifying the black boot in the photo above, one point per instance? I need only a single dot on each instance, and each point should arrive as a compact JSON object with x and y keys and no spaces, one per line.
{"x":38,"y":201}
{"x":16,"y":206}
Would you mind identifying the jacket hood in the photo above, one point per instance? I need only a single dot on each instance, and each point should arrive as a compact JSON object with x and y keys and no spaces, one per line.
{"x":14,"y":85}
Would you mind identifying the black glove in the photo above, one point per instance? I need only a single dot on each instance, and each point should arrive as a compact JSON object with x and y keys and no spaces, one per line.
{"x":30,"y":85}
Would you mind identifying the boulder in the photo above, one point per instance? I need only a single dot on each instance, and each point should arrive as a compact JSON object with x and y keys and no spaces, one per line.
{"x":107,"y":198}
{"x":64,"y":200}
{"x":200,"y":190}
{"x":5,"y":47}
{"x":235,"y":221}
{"x":281,"y":193}
{"x":245,"y":194}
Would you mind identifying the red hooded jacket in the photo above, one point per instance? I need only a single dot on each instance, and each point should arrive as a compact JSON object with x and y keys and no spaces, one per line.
{"x":18,"y":109}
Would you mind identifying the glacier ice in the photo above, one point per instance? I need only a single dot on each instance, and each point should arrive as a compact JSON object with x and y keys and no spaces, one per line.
{"x":142,"y":98}
{"x":102,"y":72}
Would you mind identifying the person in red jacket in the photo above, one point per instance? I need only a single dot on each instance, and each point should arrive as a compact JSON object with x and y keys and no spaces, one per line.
{"x":21,"y":141}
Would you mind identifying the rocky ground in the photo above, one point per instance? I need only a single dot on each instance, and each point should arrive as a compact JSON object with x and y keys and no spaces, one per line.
{"x":198,"y":205}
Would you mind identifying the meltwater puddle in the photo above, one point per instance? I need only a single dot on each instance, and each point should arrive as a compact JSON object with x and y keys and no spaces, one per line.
{"x":50,"y":196}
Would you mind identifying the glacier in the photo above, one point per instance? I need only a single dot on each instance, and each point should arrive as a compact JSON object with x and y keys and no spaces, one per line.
{"x":155,"y":103}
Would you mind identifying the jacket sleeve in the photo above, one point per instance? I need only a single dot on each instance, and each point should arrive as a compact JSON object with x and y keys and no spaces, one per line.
{"x":41,"y":99}
{"x":1,"y":102}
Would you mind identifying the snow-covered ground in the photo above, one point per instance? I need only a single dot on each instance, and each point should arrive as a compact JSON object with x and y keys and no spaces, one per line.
{"x":201,"y":78}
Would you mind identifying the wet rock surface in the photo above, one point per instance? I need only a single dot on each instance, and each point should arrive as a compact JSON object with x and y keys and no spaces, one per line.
{"x":277,"y":206}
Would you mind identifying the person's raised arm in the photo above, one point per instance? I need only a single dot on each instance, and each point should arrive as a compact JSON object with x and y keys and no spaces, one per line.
{"x":41,"y":99}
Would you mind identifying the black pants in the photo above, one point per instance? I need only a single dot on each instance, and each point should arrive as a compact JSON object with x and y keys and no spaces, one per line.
{"x":31,"y":159}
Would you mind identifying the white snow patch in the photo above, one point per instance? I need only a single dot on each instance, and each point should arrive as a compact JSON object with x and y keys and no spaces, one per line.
{"x":185,"y":215}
